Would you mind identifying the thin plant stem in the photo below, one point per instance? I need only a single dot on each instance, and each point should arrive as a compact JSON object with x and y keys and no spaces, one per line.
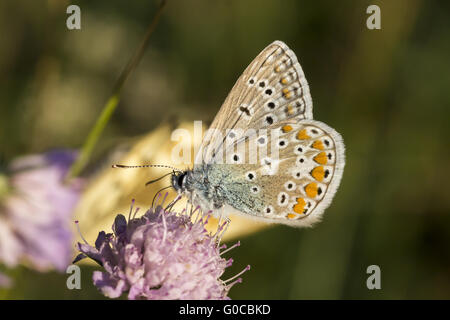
{"x":113,"y":101}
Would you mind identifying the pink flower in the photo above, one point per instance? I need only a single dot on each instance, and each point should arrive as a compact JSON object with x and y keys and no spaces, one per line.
{"x":5,"y":281}
{"x":161,"y":255}
{"x":36,"y":211}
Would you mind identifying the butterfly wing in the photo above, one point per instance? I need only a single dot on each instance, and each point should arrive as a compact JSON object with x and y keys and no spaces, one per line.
{"x":293,"y":187}
{"x":270,"y":107}
{"x":272,"y":88}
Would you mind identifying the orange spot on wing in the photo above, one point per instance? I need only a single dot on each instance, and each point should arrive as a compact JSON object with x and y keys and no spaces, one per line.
{"x":318,"y":145}
{"x":321,"y":158}
{"x":286,"y":128}
{"x":290,"y":109}
{"x":299,"y":206}
{"x":318,"y":173}
{"x":284,"y":81}
{"x":311,"y":190}
{"x":286,"y":93}
{"x":301,"y":135}
{"x":291,"y":216}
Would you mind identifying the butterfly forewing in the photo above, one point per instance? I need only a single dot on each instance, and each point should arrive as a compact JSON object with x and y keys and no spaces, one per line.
{"x":272,"y":88}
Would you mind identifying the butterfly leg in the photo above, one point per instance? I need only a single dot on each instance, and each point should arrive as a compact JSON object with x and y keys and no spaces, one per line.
{"x":220,"y":218}
{"x":222,"y":227}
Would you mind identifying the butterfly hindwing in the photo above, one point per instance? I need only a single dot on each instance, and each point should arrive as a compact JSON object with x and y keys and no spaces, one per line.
{"x":293,"y":185}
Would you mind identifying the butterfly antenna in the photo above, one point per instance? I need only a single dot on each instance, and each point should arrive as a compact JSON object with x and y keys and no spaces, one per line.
{"x":145,"y":166}
{"x":149,"y":166}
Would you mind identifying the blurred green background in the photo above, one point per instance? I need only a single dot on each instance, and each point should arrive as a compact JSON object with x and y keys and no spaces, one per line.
{"x":386,"y":91}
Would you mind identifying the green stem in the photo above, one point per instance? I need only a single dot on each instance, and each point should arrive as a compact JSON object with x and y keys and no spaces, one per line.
{"x":113,"y":101}
{"x":93,"y":136}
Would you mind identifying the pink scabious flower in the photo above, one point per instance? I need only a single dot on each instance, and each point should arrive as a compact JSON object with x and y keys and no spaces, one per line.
{"x":161,"y":255}
{"x":36,"y":211}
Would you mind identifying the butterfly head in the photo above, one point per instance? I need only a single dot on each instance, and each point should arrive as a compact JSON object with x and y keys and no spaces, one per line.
{"x":178,"y":180}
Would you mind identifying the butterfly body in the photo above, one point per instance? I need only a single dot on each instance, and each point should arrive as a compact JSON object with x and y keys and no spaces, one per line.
{"x":265,"y":156}
{"x":196,"y":186}
{"x":215,"y":188}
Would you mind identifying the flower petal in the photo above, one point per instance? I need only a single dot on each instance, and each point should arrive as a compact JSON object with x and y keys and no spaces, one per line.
{"x":109,"y":286}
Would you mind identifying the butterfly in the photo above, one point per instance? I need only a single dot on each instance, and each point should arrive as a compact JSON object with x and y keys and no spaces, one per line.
{"x":264,"y":156}
{"x":293,"y":185}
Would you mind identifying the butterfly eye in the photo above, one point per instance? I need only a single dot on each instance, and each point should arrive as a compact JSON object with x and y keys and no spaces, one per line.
{"x":180,"y":179}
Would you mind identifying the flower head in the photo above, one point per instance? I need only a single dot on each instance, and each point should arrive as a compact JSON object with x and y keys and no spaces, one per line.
{"x":160,"y":255}
{"x":35,"y":211}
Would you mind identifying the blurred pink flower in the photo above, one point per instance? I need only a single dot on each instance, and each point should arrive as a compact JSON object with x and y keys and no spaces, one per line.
{"x":36,"y":211}
{"x":5,"y":281}
{"x":161,"y":255}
